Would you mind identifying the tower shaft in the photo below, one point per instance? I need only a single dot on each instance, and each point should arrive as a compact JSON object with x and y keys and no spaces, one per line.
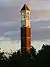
{"x":25,"y":39}
{"x":25,"y":30}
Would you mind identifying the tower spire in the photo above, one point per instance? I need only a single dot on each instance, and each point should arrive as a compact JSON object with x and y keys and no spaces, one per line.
{"x":25,"y":7}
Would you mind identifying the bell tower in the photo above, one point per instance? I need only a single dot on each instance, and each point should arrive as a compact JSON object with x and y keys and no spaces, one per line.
{"x":25,"y":29}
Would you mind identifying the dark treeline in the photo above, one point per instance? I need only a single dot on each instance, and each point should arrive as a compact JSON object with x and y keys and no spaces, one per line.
{"x":42,"y":58}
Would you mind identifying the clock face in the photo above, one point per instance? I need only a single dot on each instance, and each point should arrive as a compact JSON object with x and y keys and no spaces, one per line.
{"x":23,"y":16}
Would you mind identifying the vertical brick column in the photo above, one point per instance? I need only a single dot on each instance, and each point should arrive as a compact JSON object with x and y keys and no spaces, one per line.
{"x":25,"y":39}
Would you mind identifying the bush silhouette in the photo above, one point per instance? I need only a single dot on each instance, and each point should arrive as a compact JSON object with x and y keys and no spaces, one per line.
{"x":44,"y":53}
{"x":24,"y":60}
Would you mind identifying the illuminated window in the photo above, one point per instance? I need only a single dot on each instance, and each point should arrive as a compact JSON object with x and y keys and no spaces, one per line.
{"x":27,"y":16}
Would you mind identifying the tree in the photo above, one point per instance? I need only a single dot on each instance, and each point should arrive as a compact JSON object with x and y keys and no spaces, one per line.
{"x":44,"y":53}
{"x":33,"y":53}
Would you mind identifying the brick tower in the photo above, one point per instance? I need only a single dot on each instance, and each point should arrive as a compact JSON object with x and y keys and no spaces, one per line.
{"x":25,"y":29}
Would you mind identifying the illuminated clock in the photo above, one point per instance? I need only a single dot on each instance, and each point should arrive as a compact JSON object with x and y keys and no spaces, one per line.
{"x":23,"y":16}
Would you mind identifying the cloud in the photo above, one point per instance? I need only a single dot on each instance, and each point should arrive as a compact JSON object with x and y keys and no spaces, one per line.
{"x":10,"y":9}
{"x":39,"y":33}
{"x":40,"y":4}
{"x":5,"y":3}
{"x":40,"y":19}
{"x":6,"y":44}
{"x":4,"y":39}
{"x":4,"y":0}
{"x":9,"y":13}
{"x":12,"y":29}
{"x":37,"y":44}
{"x":10,"y":33}
{"x":13,"y":35}
{"x":48,"y":27}
{"x":9,"y":26}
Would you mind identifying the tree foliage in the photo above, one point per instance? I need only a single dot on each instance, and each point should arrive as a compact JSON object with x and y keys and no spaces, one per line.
{"x":44,"y":53}
{"x":25,"y":60}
